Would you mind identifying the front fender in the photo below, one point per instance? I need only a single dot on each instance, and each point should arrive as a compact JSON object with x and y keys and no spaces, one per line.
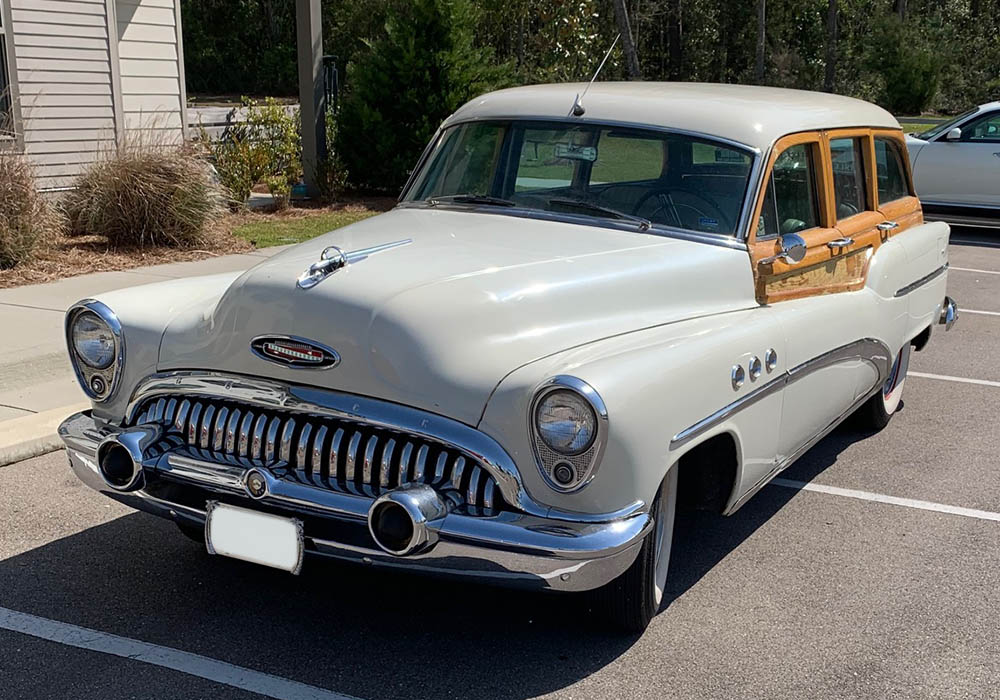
{"x":144,"y":313}
{"x":655,"y":383}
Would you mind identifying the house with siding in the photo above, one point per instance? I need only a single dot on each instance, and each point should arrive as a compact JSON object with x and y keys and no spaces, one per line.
{"x":81,"y":77}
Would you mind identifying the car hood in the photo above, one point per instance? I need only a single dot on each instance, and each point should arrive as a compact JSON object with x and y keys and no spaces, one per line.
{"x":438,"y":322}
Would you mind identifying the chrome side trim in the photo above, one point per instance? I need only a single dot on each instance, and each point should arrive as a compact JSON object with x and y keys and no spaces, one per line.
{"x":806,"y":446}
{"x":870,"y":350}
{"x":921,"y":282}
{"x":105,"y":313}
{"x":381,"y":414}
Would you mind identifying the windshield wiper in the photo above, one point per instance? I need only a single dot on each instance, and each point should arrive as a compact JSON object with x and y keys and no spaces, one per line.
{"x":471,"y":199}
{"x":643,"y":224}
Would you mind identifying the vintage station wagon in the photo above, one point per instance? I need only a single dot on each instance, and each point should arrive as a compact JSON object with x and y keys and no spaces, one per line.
{"x":586,"y":311}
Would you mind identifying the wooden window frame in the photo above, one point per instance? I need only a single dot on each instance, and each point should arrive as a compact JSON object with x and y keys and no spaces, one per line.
{"x":825,"y":269}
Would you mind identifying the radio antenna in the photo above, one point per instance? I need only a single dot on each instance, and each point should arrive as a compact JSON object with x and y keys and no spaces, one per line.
{"x":578,"y":109}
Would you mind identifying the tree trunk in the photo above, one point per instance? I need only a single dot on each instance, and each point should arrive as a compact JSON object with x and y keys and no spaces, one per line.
{"x":628,"y":46}
{"x":830,"y":79}
{"x":899,"y":7}
{"x":761,"y":39}
{"x":675,"y":32}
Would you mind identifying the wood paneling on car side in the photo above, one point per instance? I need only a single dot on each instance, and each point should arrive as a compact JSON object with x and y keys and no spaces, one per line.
{"x":830,"y":269}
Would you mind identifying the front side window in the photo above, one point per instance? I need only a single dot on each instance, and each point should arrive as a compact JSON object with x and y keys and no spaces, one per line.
{"x":985,"y":130}
{"x":5,"y":112}
{"x":790,"y":197}
{"x":588,"y":170}
{"x":848,"y":176}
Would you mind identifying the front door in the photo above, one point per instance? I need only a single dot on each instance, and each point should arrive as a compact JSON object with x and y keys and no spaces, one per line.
{"x":964,"y":172}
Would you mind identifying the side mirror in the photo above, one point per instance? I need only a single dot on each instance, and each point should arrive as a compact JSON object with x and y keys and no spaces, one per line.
{"x":793,"y":250}
{"x":954,"y":135}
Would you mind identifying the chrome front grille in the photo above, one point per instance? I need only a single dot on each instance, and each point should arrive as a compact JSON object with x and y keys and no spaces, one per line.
{"x":323,"y":451}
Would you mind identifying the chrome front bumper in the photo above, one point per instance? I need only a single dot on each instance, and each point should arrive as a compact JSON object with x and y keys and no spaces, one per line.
{"x":508,"y":548}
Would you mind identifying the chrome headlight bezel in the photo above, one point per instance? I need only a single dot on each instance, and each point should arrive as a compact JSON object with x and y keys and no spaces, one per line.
{"x":97,"y":383}
{"x":582,"y":464}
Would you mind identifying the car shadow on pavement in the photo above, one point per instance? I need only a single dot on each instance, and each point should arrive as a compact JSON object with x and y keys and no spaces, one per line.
{"x":350,"y":629}
{"x":702,"y":540}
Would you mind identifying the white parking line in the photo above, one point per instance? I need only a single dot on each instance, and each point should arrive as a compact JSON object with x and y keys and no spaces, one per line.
{"x":891,"y":500}
{"x":985,"y":244}
{"x":973,"y":311}
{"x":185,"y":662}
{"x":972,"y":269}
{"x":960,"y":380}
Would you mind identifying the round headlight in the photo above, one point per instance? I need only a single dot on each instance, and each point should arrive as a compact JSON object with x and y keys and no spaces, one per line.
{"x":566,"y":422}
{"x":93,"y":340}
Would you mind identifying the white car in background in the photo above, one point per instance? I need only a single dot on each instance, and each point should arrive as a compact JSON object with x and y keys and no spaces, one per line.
{"x":956,"y":167}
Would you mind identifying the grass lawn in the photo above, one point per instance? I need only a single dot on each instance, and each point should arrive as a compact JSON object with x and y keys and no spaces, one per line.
{"x":300,"y":225}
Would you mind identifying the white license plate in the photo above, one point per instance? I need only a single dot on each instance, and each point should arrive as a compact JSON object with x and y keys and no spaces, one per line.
{"x":256,"y":537}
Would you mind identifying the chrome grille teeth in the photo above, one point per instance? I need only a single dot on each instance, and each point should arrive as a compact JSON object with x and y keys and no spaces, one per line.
{"x":421,"y":463}
{"x":315,"y":470}
{"x":180,"y":422}
{"x":302,"y":448}
{"x":257,"y":439}
{"x":350,"y":465}
{"x":192,"y":437}
{"x":440,"y":469}
{"x":385,"y":469}
{"x":285,"y":449}
{"x":404,"y":465}
{"x":271,"y":445}
{"x":206,"y":427}
{"x":220,"y":428}
{"x":245,"y":434}
{"x":473,"y":491}
{"x":349,"y":456}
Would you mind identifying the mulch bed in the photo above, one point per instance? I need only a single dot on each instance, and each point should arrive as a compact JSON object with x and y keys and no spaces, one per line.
{"x":69,"y":256}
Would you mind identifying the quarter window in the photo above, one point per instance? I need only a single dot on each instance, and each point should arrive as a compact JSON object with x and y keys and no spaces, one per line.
{"x":891,"y":171}
{"x":848,"y":176}
{"x":790,"y":198}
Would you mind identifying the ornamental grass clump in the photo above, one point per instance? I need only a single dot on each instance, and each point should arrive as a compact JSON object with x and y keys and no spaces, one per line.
{"x":26,"y":218}
{"x":146,"y":196}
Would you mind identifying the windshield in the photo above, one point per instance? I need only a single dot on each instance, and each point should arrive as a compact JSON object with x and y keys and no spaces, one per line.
{"x":947,"y":126}
{"x":637,"y":176}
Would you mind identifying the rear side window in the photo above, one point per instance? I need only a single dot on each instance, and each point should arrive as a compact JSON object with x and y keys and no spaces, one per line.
{"x":625,"y":157}
{"x":790,"y":198}
{"x":891,"y":171}
{"x":848,"y":176}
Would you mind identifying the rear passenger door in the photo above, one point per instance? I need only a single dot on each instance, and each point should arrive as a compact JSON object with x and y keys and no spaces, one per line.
{"x":821,"y":185}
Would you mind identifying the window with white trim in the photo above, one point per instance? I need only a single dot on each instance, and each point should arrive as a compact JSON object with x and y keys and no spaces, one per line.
{"x":6,"y":125}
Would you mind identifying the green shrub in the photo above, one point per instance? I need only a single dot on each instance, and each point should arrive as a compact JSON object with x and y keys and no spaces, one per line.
{"x":426,"y":65}
{"x":331,"y":173}
{"x":26,"y":219}
{"x":146,"y":195}
{"x":265,"y":147}
{"x":908,"y":66}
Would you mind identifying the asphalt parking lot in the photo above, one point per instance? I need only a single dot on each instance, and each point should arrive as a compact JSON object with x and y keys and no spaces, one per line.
{"x":818,"y":587}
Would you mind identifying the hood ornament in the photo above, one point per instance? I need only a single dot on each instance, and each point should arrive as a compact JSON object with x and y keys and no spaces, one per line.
{"x":333,"y":258}
{"x":294,"y":352}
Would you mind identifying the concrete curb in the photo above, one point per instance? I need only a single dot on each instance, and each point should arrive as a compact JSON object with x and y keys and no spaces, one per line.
{"x":34,"y":435}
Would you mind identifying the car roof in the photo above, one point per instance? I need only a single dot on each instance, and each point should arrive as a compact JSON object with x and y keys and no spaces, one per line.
{"x":752,"y":115}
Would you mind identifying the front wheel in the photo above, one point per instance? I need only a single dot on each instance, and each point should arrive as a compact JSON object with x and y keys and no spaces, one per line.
{"x":633,"y":599}
{"x":877,"y":411}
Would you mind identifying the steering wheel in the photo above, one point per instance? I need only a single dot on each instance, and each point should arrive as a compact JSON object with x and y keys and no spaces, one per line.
{"x":684,"y":208}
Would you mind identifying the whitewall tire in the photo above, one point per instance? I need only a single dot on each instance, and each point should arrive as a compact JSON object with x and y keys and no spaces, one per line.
{"x":876,"y":413}
{"x":632,"y":600}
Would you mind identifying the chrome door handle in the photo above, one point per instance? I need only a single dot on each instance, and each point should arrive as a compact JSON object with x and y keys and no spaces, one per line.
{"x":840,"y":243}
{"x":887,"y":226}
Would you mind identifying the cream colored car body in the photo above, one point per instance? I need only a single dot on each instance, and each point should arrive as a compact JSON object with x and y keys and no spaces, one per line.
{"x":477,"y":309}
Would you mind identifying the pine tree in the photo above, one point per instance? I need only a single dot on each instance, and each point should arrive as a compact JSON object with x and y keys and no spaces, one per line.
{"x":424,"y":66}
